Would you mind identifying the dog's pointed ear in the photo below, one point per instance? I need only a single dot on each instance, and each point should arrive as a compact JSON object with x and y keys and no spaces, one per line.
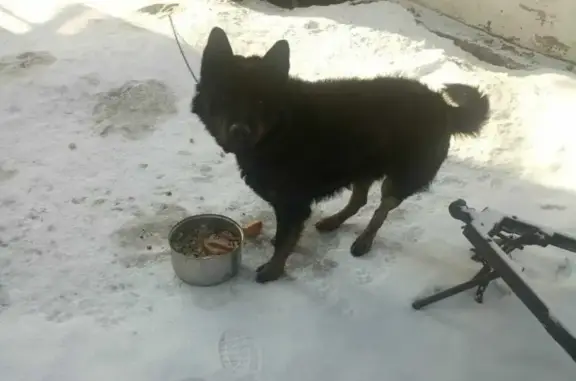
{"x":277,"y":59}
{"x":217,"y":50}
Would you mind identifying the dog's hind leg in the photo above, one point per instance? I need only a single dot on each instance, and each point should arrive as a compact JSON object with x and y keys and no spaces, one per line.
{"x":290,"y":219}
{"x":412,"y":177}
{"x":389,"y":200}
{"x":358,"y":199}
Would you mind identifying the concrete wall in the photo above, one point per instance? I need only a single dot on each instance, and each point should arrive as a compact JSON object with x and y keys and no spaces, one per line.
{"x":546,"y":26}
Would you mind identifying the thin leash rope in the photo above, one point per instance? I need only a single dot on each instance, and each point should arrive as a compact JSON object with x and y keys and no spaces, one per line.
{"x":176,"y":34}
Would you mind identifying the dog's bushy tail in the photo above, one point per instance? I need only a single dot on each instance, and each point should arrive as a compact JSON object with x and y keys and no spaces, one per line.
{"x":472,"y":111}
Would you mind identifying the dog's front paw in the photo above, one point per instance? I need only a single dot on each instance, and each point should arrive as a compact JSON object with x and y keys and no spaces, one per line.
{"x":328,"y":224}
{"x":269,"y":272}
{"x":362,"y":245}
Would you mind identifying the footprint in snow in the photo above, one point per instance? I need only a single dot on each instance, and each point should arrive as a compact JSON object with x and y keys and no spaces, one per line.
{"x":363,"y":276}
{"x":239,"y":353}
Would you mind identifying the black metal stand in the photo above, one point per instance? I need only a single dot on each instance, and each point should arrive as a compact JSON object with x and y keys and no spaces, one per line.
{"x":493,"y":236}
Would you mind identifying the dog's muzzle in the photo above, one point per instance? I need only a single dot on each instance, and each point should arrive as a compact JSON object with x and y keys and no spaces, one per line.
{"x":239,"y":132}
{"x":238,"y":137}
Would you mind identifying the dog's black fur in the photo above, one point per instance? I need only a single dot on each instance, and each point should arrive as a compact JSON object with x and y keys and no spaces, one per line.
{"x":298,"y":142}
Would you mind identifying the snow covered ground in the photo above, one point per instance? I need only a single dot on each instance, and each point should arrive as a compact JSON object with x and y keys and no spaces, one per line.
{"x":99,"y":155}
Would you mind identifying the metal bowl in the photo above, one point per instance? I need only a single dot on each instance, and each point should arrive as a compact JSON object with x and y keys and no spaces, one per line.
{"x":206,"y":271}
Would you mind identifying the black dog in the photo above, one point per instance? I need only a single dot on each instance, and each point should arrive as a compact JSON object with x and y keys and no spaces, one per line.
{"x":298,"y":142}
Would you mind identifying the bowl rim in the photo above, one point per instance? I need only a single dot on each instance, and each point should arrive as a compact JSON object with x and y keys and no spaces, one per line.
{"x":205,"y":215}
